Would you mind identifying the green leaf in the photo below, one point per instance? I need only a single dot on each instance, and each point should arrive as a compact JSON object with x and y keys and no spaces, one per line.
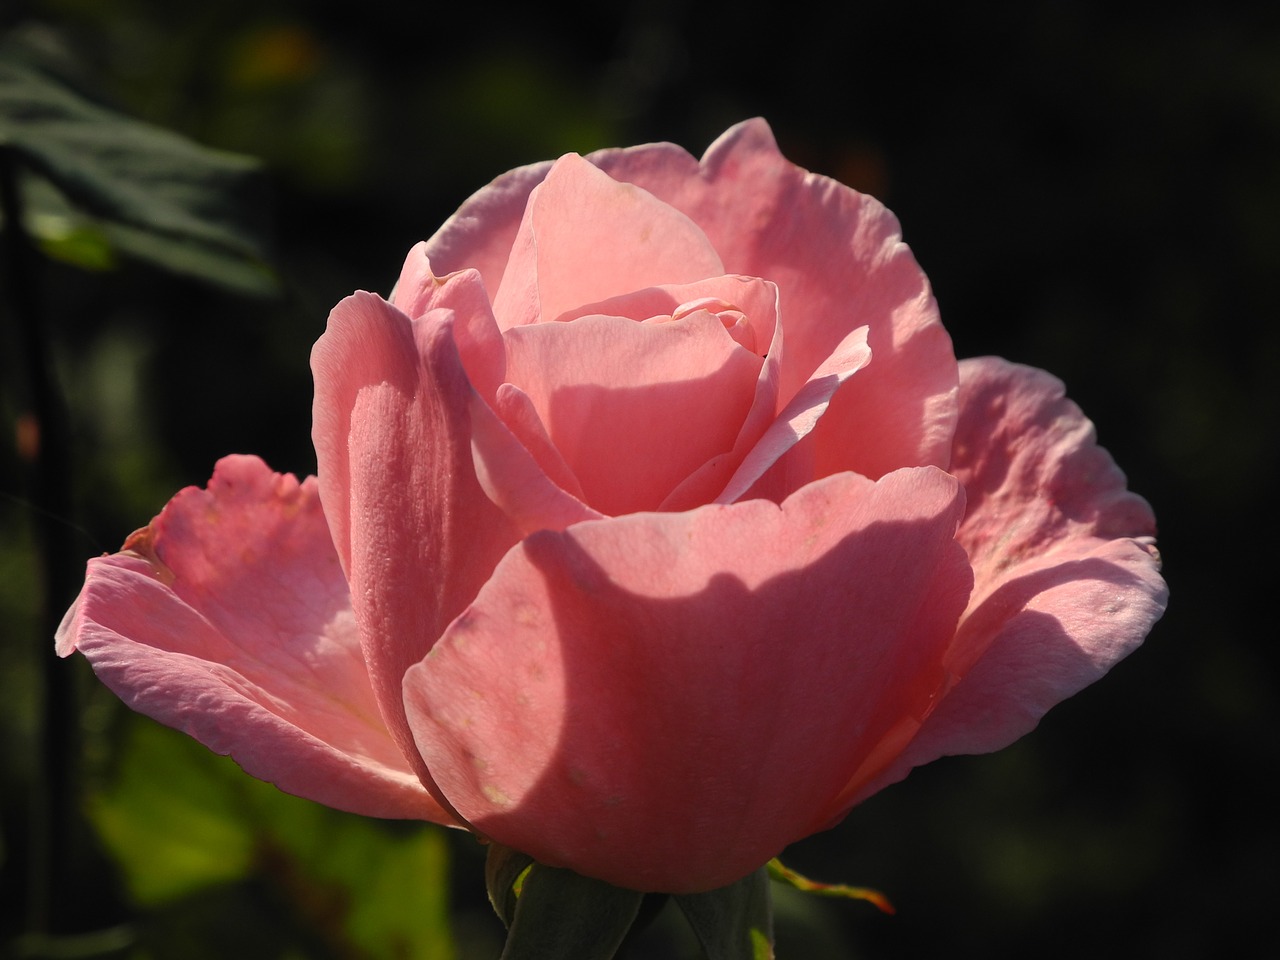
{"x":192,"y":258}
{"x":562,"y":915}
{"x":158,"y":196}
{"x":734,"y":922}
{"x":182,"y":822}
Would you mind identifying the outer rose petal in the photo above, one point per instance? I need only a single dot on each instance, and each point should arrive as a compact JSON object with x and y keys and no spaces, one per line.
{"x":476,"y":333}
{"x":415,"y":530}
{"x":481,"y":233}
{"x":229,"y":618}
{"x":631,"y":697}
{"x":1067,"y":578}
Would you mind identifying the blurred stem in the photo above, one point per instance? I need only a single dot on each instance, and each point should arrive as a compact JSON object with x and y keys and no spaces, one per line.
{"x":54,"y":821}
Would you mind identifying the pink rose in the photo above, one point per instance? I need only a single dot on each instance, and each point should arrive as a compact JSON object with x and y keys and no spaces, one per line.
{"x":656,"y":526}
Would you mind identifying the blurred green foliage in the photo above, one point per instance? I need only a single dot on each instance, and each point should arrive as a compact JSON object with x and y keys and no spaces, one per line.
{"x":179,"y":820}
{"x":96,"y":181}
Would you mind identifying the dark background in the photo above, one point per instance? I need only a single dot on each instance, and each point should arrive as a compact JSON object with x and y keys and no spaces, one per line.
{"x":1093,"y":188}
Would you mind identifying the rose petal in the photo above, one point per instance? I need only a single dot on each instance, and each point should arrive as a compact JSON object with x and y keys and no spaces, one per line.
{"x":611,"y":392}
{"x":481,"y":233}
{"x":415,"y":530}
{"x":229,"y":619}
{"x":631,"y":698}
{"x":586,"y":237}
{"x":476,"y":333}
{"x":519,"y":469}
{"x":1036,"y":479}
{"x":838,"y":260}
{"x":753,"y":303}
{"x":708,"y":483}
{"x":1066,"y":575}
{"x":776,"y":457}
{"x":751,"y":306}
{"x":516,"y":411}
{"x":768,"y":218}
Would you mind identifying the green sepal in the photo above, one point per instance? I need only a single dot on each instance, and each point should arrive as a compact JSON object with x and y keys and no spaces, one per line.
{"x":733,"y":922}
{"x":784,"y":874}
{"x":504,"y":871}
{"x":561,"y":915}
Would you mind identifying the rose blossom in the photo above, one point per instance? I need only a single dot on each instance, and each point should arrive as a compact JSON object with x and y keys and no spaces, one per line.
{"x":655,"y":526}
